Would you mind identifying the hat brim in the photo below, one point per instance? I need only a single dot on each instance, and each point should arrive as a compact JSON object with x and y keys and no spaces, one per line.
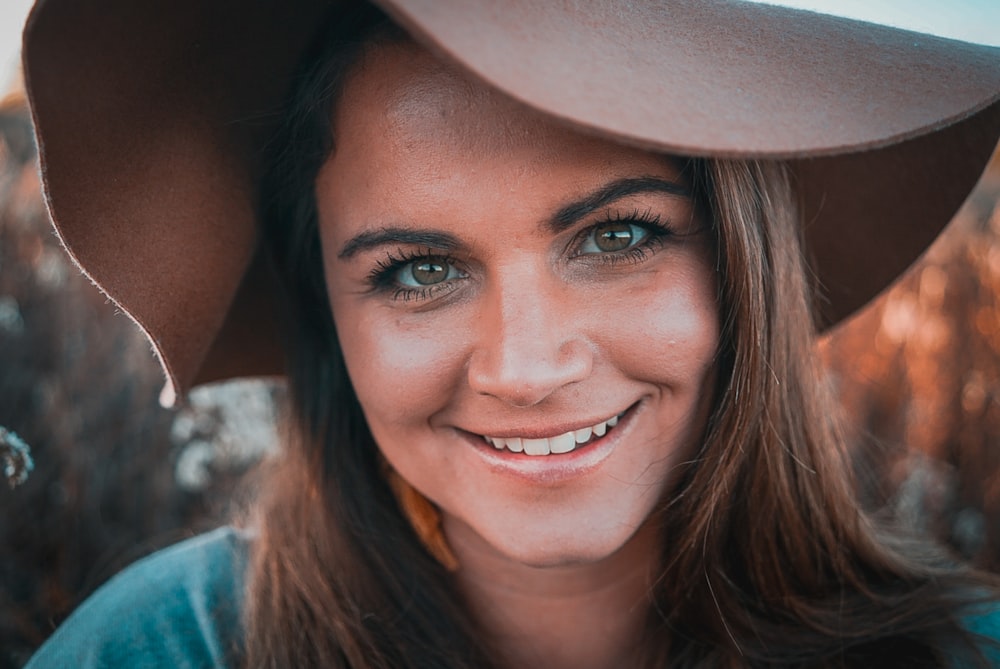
{"x":149,"y":118}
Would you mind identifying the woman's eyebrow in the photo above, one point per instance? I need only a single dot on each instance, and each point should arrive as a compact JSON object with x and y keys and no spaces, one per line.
{"x":573,"y":212}
{"x":564,"y":218}
{"x":374,"y":238}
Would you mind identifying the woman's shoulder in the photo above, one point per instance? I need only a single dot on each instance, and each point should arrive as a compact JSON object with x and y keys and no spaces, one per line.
{"x":179,"y":607}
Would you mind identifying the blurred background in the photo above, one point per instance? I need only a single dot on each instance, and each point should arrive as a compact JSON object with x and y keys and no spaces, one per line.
{"x":116,"y":476}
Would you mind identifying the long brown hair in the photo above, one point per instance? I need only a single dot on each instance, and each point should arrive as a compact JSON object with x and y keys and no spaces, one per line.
{"x":770,"y":560}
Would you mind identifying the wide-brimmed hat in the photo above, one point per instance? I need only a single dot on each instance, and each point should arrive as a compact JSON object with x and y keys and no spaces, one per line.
{"x":150,"y":117}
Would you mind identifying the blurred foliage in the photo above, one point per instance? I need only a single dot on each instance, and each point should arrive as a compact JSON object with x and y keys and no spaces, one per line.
{"x":918,"y":372}
{"x":117,"y":476}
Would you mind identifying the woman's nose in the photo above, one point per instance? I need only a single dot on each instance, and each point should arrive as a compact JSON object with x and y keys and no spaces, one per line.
{"x":528,"y":346}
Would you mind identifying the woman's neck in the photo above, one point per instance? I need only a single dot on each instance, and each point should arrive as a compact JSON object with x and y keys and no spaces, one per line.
{"x":585,"y":616}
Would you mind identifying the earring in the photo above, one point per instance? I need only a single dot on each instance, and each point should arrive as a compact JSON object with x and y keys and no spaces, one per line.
{"x":424,"y":517}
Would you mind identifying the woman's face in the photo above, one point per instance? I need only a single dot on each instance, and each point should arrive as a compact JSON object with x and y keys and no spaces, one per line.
{"x":505,"y":290}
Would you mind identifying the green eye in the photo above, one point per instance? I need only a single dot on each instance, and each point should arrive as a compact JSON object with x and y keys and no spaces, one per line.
{"x":427,"y":272}
{"x":613,"y":236}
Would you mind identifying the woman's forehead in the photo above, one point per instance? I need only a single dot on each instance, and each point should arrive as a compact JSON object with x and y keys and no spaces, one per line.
{"x":400,"y":91}
{"x":416,"y":139}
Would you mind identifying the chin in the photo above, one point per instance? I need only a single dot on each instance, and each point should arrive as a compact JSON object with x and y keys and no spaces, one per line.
{"x":548,"y":550}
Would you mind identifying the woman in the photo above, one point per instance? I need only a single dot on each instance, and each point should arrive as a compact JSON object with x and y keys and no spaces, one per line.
{"x":553,"y":395}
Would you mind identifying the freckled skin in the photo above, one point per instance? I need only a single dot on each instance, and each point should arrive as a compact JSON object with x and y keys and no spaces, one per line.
{"x":531,"y":336}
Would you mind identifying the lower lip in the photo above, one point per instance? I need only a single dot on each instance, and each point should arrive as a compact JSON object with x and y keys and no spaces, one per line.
{"x":554,"y":469}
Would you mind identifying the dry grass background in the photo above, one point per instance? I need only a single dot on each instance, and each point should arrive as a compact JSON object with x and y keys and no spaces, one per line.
{"x":117,"y":476}
{"x":918,"y":372}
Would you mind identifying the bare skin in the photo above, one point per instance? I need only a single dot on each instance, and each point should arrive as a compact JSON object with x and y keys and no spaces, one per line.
{"x":587,"y":616}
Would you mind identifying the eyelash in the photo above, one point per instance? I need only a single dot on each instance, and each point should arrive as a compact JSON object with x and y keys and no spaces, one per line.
{"x":382,"y":277}
{"x":657,"y":232}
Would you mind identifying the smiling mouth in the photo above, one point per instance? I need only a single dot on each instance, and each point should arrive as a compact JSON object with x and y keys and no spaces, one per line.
{"x":557,"y":445}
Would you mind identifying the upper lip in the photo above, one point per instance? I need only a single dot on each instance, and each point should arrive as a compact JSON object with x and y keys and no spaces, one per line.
{"x":546,"y":432}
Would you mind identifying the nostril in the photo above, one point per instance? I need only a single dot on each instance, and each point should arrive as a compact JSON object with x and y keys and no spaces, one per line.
{"x":526,"y":375}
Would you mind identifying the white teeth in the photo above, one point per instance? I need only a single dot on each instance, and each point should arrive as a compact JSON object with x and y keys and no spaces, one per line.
{"x":563,"y":443}
{"x":536,"y":446}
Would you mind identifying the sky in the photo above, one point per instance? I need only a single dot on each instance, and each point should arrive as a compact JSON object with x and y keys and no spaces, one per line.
{"x":971,"y":20}
{"x":12,"y":15}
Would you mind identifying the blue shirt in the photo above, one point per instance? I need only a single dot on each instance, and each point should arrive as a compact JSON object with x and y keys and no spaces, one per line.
{"x":179,"y":607}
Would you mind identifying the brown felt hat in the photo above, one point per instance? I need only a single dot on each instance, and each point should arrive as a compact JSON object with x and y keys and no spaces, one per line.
{"x":150,"y":116}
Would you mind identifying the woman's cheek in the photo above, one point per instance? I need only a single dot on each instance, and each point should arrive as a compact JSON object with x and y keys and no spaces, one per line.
{"x":667,"y":330}
{"x":402,"y":368}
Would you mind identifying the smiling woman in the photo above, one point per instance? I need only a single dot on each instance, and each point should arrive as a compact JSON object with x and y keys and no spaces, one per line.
{"x":493,"y":296}
{"x":549,"y":344}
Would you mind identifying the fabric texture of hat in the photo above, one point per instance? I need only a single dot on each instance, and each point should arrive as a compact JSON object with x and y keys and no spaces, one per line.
{"x":150,"y":117}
